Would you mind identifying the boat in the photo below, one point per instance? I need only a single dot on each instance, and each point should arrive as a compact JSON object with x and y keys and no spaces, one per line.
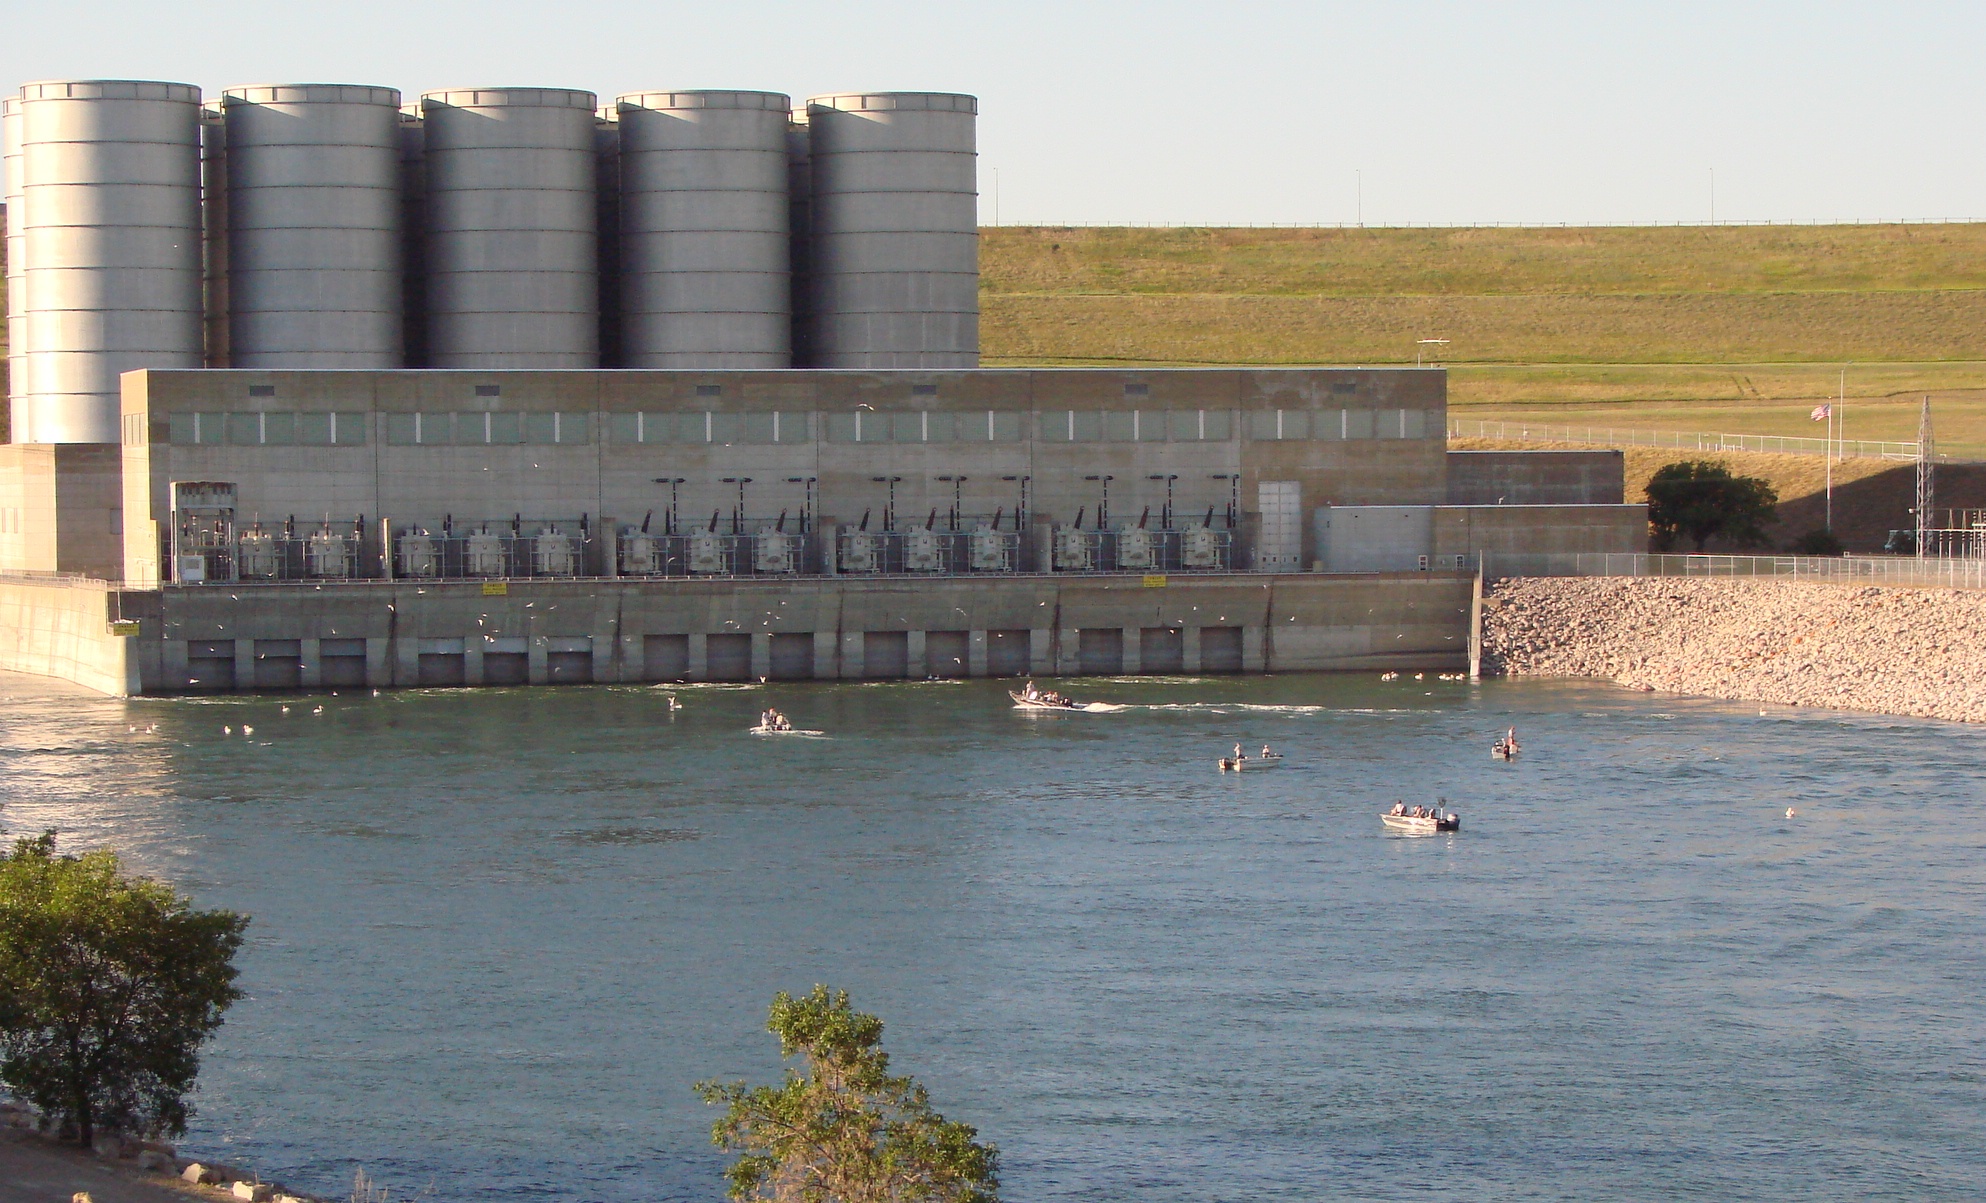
{"x":762,"y":729}
{"x":1505,"y":748}
{"x":1437,"y":818}
{"x":1045,"y":701}
{"x":1266,"y":760}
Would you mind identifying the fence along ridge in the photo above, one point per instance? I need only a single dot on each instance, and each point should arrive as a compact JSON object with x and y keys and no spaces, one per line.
{"x":1683,"y":440}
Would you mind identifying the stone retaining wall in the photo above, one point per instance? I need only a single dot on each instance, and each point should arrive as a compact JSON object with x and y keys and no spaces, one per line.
{"x":1918,"y":652}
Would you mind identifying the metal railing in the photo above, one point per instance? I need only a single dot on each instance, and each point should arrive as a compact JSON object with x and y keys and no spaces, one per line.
{"x":1683,"y":440}
{"x":1901,"y":571}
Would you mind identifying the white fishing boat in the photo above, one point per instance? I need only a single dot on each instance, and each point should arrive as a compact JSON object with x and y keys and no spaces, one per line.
{"x":763,"y":729}
{"x":1266,"y":760}
{"x":1505,"y":748}
{"x":1427,"y":821}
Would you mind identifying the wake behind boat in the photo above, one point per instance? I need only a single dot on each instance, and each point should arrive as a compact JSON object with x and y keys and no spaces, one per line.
{"x":1421,"y":820}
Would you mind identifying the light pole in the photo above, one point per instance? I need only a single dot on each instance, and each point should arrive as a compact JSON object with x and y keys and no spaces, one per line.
{"x":1020,"y":513}
{"x":1233,"y":480}
{"x":1103,"y":511}
{"x":807,"y":509}
{"x":1423,"y":343}
{"x":669,"y":523}
{"x":958,"y":490}
{"x":738,"y":515}
{"x":1165,"y":517}
{"x":889,"y":510}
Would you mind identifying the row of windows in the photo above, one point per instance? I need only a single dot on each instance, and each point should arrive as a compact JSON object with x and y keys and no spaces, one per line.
{"x":783,"y":426}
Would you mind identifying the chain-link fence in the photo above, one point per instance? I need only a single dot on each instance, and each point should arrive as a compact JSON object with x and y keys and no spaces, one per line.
{"x":1681,"y":440}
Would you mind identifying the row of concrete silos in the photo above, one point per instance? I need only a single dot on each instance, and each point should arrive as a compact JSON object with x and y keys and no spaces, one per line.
{"x":324,"y":226}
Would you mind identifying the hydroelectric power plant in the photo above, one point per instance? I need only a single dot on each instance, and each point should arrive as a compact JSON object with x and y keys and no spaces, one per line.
{"x":310,"y":387}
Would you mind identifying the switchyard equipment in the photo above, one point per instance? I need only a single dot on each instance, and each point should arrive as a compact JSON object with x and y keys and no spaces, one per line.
{"x":201,"y":530}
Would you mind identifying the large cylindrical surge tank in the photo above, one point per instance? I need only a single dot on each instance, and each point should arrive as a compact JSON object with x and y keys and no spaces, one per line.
{"x":512,"y":227}
{"x":704,"y":230}
{"x":111,"y":240}
{"x":10,"y":157}
{"x":313,"y":220}
{"x":895,"y":212}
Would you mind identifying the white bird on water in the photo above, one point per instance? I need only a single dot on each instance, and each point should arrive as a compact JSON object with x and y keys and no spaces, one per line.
{"x":227,"y":730}
{"x":247,"y":730}
{"x":319,"y":710}
{"x":1790,"y":812}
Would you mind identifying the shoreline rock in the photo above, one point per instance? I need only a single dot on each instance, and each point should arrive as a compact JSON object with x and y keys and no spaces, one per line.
{"x":1914,"y":652}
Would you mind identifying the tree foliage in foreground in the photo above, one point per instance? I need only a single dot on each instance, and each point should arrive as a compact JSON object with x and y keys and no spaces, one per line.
{"x":109,"y":984}
{"x":1701,"y":499}
{"x":842,"y":1129}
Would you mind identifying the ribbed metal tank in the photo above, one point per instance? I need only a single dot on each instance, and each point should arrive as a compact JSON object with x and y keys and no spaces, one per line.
{"x":512,"y":228}
{"x":313,"y":221}
{"x":10,"y":170}
{"x":799,"y":210}
{"x":895,"y":230}
{"x":704,"y":230}
{"x":110,"y":201}
{"x":413,"y":236}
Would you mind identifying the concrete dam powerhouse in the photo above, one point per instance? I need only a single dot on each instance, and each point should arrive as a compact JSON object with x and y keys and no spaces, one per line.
{"x":309,"y":387}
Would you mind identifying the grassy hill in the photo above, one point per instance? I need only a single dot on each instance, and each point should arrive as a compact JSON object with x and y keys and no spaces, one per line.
{"x":1735,"y":328}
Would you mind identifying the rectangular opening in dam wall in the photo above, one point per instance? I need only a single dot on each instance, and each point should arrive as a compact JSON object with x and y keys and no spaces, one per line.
{"x":278,"y":663}
{"x":341,"y":663}
{"x":792,"y":656}
{"x":947,"y":653}
{"x":1220,"y":649}
{"x":442,"y":668}
{"x":210,"y":665}
{"x":1100,"y":651}
{"x":1007,"y":653}
{"x":506,"y":668}
{"x":569,"y":667}
{"x":665,"y":657}
{"x":886,"y":654}
{"x":728,"y":658}
{"x":1161,"y":650}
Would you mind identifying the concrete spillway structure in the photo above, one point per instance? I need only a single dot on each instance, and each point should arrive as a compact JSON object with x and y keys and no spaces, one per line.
{"x":110,"y":238}
{"x":512,"y":228}
{"x":704,"y":230}
{"x":895,"y":244}
{"x":313,"y":226}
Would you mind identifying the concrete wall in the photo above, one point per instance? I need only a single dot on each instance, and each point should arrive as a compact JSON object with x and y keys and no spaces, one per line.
{"x":385,"y":634}
{"x":62,"y":629}
{"x":1366,"y":436}
{"x":1536,"y":478}
{"x":1393,"y":538}
{"x":61,"y":508}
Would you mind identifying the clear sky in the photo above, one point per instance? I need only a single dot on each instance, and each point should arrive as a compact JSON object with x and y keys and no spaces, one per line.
{"x":1396,"y":111}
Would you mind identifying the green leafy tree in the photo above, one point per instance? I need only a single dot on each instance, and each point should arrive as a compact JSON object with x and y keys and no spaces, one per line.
{"x":844,"y":1130}
{"x":109,"y":984}
{"x":1701,"y":499}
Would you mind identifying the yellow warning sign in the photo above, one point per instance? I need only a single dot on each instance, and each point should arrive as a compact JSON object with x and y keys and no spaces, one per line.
{"x":1154,"y":582}
{"x":124,"y":626}
{"x":496,"y":588}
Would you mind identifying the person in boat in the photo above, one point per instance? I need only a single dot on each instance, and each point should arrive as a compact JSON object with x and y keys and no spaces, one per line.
{"x":1238,"y":757}
{"x":1510,"y":740}
{"x":1399,"y":808}
{"x":1028,"y":692}
{"x":1266,"y":753}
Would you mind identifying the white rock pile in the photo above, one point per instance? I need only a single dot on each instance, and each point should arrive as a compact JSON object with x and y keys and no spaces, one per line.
{"x":1918,"y":652}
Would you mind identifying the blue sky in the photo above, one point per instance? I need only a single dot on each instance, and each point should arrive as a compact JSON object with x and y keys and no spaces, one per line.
{"x":1449,"y":113}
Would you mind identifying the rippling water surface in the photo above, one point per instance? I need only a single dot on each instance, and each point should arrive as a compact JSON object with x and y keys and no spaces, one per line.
{"x":497,"y":934}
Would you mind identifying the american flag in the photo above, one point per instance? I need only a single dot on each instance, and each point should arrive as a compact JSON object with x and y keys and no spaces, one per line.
{"x":1821,"y":413}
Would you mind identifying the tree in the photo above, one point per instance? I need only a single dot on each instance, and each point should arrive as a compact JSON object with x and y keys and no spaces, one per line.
{"x":109,"y":984}
{"x":1700,"y":498}
{"x":845,"y":1130}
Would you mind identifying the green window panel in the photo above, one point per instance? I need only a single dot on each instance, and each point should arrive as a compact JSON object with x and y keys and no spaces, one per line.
{"x":245,"y":430}
{"x":314,"y":430}
{"x":182,"y":430}
{"x":348,"y":429}
{"x":907,"y":427}
{"x":1358,"y":424}
{"x":1151,"y":426}
{"x":1217,"y":425}
{"x":727,"y":428}
{"x":437,"y":430}
{"x":1263,"y":425}
{"x":1086,"y":426}
{"x":1120,"y":425}
{"x":507,"y":428}
{"x":400,"y":430}
{"x":279,"y":430}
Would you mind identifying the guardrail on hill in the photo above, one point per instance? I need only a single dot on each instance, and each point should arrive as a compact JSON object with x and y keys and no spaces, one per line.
{"x":1902,"y":571}
{"x":1686,"y":440}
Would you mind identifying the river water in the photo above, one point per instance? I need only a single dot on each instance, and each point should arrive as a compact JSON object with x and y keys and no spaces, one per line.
{"x":498,"y":933}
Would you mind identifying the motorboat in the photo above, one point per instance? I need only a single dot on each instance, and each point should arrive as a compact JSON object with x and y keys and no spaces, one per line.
{"x":1264,"y":760}
{"x":1505,"y":748}
{"x":1430,"y":819}
{"x":764,"y":729}
{"x":1031,"y":700}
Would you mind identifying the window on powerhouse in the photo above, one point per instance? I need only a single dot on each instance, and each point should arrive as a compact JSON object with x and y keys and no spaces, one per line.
{"x":479,"y":429}
{"x":266,"y":429}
